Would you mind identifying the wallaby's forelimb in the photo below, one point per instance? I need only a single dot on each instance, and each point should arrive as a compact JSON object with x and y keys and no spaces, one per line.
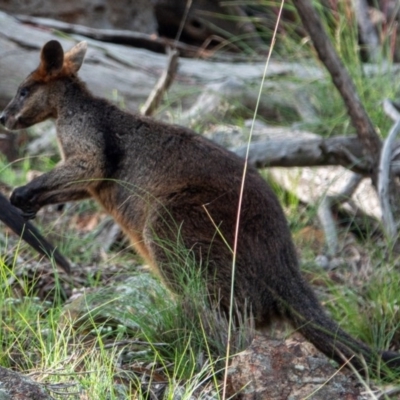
{"x":67,"y":182}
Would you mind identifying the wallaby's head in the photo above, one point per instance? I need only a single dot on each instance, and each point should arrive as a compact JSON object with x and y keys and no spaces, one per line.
{"x":37,"y":95}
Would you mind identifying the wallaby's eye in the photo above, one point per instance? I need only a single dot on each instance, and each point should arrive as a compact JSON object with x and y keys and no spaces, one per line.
{"x":23,"y":92}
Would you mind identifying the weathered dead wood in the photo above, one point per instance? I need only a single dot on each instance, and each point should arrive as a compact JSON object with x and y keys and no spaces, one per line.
{"x":326,"y":52}
{"x":126,"y":74}
{"x":387,"y":184}
{"x":234,"y":95}
{"x":391,"y":110}
{"x":163,"y":84}
{"x":293,"y":148}
{"x":135,"y":15}
{"x":330,"y":187}
{"x":325,"y":215}
{"x":384,"y":188}
{"x":150,"y":42}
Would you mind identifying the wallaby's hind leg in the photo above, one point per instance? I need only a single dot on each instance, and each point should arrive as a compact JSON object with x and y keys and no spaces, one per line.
{"x":183,"y":250}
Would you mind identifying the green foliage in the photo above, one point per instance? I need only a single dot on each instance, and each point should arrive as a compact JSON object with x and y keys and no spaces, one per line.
{"x":35,"y":335}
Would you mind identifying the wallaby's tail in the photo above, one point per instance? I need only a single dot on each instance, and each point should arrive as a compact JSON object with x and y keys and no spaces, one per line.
{"x":310,"y":319}
{"x":27,"y":231}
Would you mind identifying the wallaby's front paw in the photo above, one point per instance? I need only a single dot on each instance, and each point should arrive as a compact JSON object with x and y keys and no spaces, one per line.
{"x":23,"y":198}
{"x":20,"y":197}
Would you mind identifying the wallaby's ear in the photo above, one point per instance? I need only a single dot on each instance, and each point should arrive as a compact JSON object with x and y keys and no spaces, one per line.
{"x":51,"y":59}
{"x":73,"y":58}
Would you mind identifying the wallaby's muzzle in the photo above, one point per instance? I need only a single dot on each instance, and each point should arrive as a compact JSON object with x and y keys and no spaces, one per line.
{"x":9,"y":121}
{"x":15,"y":117}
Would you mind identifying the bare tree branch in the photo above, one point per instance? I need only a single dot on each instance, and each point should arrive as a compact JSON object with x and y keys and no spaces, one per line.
{"x":163,"y":84}
{"x":341,"y":79}
{"x":389,"y":224}
{"x":287,"y":151}
{"x":137,"y":39}
{"x":325,"y":213}
{"x":390,"y":110}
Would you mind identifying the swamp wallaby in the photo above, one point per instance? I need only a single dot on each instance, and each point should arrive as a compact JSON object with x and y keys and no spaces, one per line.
{"x":164,"y":185}
{"x":12,"y":217}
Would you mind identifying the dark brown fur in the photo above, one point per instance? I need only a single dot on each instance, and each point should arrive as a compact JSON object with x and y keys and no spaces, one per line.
{"x":165,"y":184}
{"x":12,"y":217}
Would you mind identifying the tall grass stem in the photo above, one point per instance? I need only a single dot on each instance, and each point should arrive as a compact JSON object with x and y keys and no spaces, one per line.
{"x":235,"y":244}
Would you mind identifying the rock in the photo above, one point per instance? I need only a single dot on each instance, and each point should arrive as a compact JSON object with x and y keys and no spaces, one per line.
{"x":126,"y":304}
{"x":15,"y":386}
{"x":288,"y":370}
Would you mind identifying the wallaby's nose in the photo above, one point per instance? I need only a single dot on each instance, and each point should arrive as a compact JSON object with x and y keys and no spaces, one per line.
{"x":2,"y":119}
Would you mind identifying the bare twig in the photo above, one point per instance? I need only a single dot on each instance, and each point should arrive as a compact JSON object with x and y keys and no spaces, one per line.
{"x":183,"y":20}
{"x":328,"y":225}
{"x":389,"y":225}
{"x":390,"y":110}
{"x":341,"y":79}
{"x":140,"y":40}
{"x":385,"y":392}
{"x":163,"y":84}
{"x":325,"y":212}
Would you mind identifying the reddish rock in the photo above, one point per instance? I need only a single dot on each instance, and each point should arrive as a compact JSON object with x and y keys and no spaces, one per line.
{"x":288,"y":370}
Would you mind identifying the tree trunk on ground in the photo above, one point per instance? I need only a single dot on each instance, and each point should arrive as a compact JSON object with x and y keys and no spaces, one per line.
{"x":123,"y":73}
{"x":105,"y":14}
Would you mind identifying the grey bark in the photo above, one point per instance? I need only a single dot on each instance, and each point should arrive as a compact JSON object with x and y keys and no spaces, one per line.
{"x":302,"y":151}
{"x":385,"y":189}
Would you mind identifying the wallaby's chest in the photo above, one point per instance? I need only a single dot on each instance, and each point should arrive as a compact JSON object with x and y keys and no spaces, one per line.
{"x":77,"y":135}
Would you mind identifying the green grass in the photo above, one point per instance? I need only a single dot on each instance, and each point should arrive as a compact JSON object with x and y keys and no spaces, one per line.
{"x":39,"y":337}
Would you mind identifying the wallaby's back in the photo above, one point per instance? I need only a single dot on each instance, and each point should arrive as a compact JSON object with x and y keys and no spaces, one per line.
{"x":169,"y":187}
